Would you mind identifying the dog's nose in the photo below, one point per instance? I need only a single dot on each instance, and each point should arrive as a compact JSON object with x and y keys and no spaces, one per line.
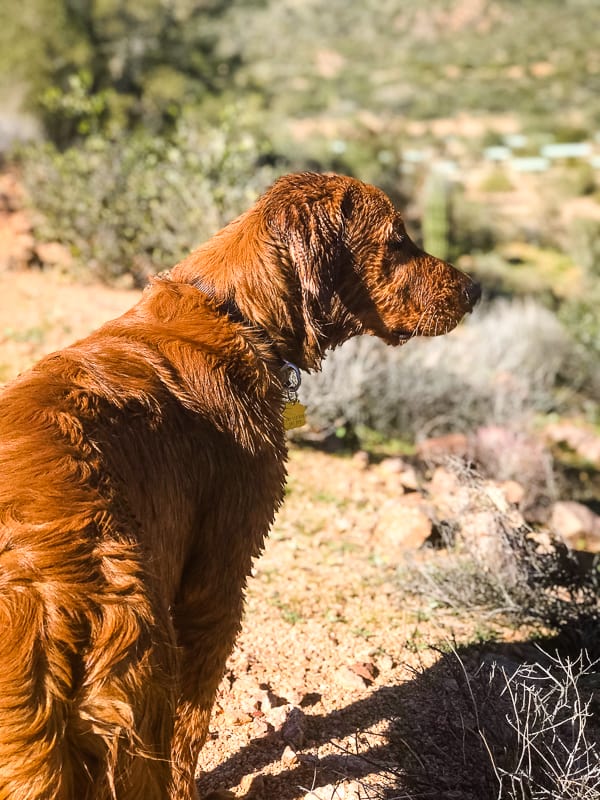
{"x":472,"y":293}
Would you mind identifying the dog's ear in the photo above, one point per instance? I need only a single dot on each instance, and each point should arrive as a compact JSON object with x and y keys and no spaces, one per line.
{"x":312,"y":231}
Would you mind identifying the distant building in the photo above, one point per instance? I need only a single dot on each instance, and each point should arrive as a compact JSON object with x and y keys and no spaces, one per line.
{"x":566,"y":150}
{"x":414,"y":156}
{"x":531,"y":164}
{"x":445,"y":167}
{"x":497,"y":153}
{"x":516,"y":141}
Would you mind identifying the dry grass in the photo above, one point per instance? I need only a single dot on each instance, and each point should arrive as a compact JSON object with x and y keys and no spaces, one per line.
{"x":555,"y":755}
{"x":508,"y":569}
{"x":491,"y":728}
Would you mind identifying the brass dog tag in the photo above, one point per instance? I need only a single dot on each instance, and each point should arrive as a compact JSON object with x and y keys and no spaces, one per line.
{"x":294,"y":415}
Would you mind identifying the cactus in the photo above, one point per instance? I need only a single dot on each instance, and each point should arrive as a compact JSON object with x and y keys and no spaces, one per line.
{"x":436,"y":216}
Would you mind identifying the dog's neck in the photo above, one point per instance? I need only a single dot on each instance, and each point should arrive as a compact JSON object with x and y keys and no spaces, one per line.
{"x":230,"y":309}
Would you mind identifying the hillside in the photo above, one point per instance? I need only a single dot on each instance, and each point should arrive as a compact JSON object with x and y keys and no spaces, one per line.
{"x":404,"y":59}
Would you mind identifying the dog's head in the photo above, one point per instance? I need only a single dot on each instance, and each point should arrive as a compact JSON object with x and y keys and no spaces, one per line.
{"x":322,"y":258}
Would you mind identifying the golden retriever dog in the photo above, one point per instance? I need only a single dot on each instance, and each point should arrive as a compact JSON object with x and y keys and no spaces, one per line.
{"x":140,"y":471}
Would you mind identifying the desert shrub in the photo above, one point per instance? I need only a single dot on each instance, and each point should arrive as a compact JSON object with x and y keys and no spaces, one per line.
{"x":436,"y":216}
{"x":494,"y":565}
{"x":497,"y":181}
{"x":103,"y":65}
{"x":507,"y":361}
{"x":584,"y":245}
{"x":507,"y":729}
{"x":556,"y":753}
{"x":135,"y":204}
{"x":580,"y":316}
{"x":473,"y":229}
{"x":493,"y":728}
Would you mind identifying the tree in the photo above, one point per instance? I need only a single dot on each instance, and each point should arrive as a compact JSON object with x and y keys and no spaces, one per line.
{"x":97,"y":63}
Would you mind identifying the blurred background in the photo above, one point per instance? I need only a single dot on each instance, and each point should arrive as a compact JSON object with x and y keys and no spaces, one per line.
{"x":131,"y":131}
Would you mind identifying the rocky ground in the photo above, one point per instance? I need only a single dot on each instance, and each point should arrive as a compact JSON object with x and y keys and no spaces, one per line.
{"x":350,"y":677}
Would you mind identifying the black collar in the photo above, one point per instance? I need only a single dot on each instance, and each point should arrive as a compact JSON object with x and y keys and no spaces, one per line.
{"x":228,"y":307}
{"x":289,"y":373}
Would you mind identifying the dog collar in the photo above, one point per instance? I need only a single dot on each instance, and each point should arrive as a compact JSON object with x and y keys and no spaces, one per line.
{"x":294,"y":413}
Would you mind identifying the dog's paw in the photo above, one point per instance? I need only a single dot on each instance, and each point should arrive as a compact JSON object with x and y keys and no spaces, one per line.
{"x":220,"y":794}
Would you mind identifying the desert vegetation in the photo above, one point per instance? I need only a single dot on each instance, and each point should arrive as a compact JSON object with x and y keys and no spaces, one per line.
{"x":436,"y":559}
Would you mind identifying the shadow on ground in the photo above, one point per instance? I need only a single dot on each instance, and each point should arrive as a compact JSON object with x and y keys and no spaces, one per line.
{"x":447,"y":732}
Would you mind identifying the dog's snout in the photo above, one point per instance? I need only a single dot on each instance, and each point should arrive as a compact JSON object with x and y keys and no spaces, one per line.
{"x":472,"y":293}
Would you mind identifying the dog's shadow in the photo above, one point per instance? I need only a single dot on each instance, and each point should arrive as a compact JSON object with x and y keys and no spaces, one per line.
{"x":446,"y":735}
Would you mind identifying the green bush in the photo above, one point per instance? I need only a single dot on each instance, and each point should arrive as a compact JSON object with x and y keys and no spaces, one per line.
{"x":497,"y":181}
{"x":135,"y":204}
{"x":100,"y":66}
{"x":584,"y":245}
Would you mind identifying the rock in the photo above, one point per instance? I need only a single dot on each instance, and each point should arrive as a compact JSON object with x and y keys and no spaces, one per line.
{"x":365,"y":670}
{"x":362,"y":459}
{"x":294,"y":728}
{"x":385,"y":663}
{"x":54,"y":254}
{"x":495,"y":493}
{"x":545,"y":542}
{"x":513,"y":492}
{"x":480,"y":531}
{"x":261,"y":727}
{"x":349,"y":679}
{"x":409,"y":479}
{"x":505,"y":455}
{"x":278,"y":716}
{"x":576,"y":524}
{"x":448,"y":496}
{"x":438,"y":449}
{"x":16,"y":241}
{"x":252,"y":786}
{"x":579,"y":438}
{"x":402,"y":525}
{"x":395,"y":466}
{"x":289,"y":757}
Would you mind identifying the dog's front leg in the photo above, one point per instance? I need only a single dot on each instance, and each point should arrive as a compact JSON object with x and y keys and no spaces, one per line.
{"x":207,"y":623}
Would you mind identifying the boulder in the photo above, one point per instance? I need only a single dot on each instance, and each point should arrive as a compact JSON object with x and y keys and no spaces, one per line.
{"x":577,"y":524}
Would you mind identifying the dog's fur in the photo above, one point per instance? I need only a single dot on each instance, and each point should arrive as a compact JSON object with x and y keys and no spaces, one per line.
{"x":141,"y":468}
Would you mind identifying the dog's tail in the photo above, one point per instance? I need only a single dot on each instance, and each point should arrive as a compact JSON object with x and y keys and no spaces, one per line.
{"x":85,"y":706}
{"x":34,"y":708}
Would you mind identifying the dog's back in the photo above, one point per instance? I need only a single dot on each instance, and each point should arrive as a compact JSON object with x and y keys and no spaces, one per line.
{"x":103,"y":462}
{"x":78,"y":622}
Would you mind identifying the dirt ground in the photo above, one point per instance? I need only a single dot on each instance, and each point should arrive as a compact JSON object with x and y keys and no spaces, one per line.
{"x":322,"y":678}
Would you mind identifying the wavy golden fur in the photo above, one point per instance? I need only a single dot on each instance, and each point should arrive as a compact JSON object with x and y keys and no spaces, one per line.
{"x":140,"y":471}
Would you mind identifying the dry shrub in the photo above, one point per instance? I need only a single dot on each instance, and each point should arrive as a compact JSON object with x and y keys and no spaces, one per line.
{"x":494,"y":564}
{"x":508,"y":360}
{"x":507,"y":730}
{"x":490,"y":728}
{"x":134,"y":205}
